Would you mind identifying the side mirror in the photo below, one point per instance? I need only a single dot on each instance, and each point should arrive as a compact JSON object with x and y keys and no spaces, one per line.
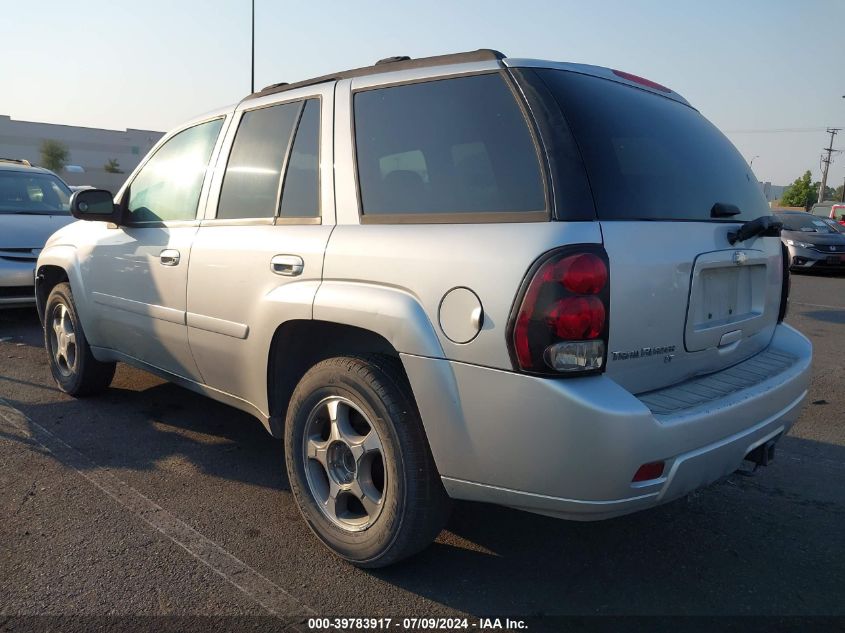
{"x":94,"y":204}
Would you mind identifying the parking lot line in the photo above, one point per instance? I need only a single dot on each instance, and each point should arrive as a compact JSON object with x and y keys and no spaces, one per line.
{"x":253,"y":584}
{"x":817,"y":305}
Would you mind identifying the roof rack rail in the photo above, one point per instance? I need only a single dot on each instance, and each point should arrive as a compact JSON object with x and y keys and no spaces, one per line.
{"x":387,"y":64}
{"x":19,"y":161}
{"x":390,"y":60}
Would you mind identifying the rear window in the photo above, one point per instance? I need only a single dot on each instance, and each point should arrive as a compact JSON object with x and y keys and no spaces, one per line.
{"x":450,"y":146}
{"x":649,"y":157}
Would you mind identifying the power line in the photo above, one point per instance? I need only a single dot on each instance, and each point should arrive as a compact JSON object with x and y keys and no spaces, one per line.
{"x":777,"y":130}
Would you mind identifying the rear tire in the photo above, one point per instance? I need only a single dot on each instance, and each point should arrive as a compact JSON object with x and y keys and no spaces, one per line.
{"x":74,"y":368}
{"x":359,"y":464}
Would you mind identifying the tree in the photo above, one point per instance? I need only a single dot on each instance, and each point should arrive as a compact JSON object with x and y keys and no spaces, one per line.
{"x":113,"y":166}
{"x":801,"y":193}
{"x":829,"y":192}
{"x":839,"y":192}
{"x":54,"y":155}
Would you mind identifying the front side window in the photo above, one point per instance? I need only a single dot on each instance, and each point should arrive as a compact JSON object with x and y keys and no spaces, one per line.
{"x":168,"y":187}
{"x":445,"y":147}
{"x":33,"y":194}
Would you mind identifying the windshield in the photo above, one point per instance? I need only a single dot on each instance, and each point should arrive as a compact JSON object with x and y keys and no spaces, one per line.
{"x":805,"y":223}
{"x":33,"y":193}
{"x":652,"y":158}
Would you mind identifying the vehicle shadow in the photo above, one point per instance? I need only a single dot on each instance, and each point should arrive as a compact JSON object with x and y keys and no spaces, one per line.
{"x":21,"y":325}
{"x":765,"y":544}
{"x":830,"y":316}
{"x":140,"y":429}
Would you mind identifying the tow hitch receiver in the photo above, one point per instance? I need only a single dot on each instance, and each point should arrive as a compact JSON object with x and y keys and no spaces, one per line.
{"x":763,"y":454}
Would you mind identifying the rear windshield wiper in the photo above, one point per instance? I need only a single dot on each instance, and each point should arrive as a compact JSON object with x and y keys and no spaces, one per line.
{"x":765,"y":226}
{"x":724,"y":210}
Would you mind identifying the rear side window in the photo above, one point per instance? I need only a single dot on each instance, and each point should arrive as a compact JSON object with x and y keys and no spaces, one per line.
{"x":649,"y":157}
{"x":300,"y":195}
{"x":446,"y":147}
{"x":251,"y":184}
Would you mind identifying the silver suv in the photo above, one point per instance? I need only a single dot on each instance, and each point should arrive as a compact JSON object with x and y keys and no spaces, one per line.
{"x":548,"y":286}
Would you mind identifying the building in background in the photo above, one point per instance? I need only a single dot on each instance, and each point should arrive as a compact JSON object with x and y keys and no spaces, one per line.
{"x":90,"y":149}
{"x":772,"y":192}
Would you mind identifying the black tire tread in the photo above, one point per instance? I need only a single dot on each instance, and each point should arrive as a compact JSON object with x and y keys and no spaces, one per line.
{"x":427,"y":505}
{"x":93,"y":376}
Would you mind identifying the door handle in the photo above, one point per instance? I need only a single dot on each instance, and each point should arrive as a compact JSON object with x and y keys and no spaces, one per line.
{"x":288,"y":265}
{"x":169,"y":257}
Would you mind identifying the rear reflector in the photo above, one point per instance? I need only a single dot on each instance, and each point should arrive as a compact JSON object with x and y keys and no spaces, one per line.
{"x":648,"y":83}
{"x":646,"y":472}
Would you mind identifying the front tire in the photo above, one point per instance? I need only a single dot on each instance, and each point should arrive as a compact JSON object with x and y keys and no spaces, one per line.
{"x":74,"y":368}
{"x":358,"y":461}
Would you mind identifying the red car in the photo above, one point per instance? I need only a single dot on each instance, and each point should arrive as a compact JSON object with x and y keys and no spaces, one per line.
{"x":834,"y":211}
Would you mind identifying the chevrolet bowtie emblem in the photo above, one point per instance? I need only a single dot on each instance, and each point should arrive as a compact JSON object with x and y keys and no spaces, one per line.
{"x":740,"y":258}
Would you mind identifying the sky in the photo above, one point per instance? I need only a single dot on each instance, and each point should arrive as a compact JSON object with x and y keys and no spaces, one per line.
{"x":769,"y":73}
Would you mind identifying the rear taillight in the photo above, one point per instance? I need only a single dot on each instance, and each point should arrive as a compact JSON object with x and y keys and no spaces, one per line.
{"x":785,"y":283}
{"x":559,"y":323}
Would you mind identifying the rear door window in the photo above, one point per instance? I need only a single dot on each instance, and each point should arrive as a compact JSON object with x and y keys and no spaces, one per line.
{"x":251,"y":183}
{"x":442,"y":147}
{"x":300,"y":195}
{"x":649,"y":157}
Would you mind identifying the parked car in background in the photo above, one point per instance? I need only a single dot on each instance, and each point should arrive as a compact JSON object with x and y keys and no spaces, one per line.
{"x":34,"y":203}
{"x":833,"y":210}
{"x":812,"y":241}
{"x":544,"y":285}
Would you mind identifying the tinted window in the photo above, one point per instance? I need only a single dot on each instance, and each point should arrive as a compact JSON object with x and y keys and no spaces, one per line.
{"x":168,"y":186}
{"x":251,"y":184}
{"x":805,"y":223}
{"x":300,"y":196}
{"x":649,"y":157}
{"x":448,"y":146}
{"x":26,"y":192}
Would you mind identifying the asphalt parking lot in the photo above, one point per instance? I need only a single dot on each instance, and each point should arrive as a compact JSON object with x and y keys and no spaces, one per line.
{"x":151,"y":500}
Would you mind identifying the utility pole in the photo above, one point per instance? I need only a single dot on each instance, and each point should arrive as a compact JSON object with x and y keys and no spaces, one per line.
{"x":832,"y":131}
{"x":252,"y":57}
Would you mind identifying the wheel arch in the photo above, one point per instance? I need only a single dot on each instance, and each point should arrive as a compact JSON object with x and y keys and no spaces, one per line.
{"x":57,"y":265}
{"x":299,"y":344}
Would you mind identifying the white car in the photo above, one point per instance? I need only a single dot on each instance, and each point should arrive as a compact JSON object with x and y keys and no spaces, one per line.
{"x":34,"y":203}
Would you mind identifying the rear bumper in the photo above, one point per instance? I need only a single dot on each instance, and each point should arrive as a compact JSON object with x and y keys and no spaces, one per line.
{"x":570,"y":448}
